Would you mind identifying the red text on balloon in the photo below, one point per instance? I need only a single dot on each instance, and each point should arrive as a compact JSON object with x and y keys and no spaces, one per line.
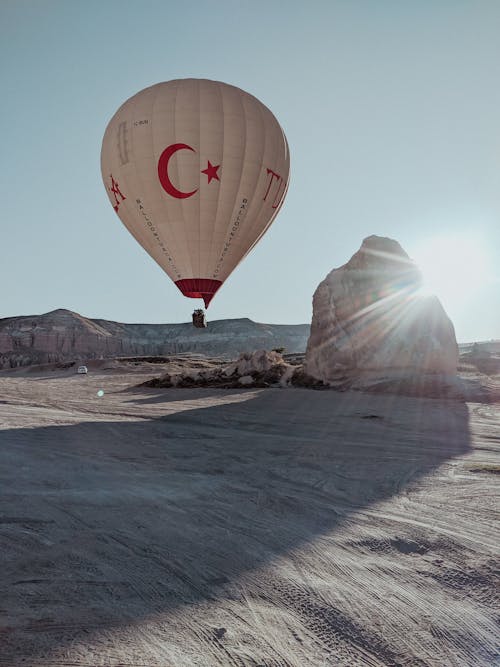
{"x":276,"y":183}
{"x":116,"y":191}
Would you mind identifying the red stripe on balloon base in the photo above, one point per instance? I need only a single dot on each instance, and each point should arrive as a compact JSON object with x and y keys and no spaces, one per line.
{"x":199,"y":288}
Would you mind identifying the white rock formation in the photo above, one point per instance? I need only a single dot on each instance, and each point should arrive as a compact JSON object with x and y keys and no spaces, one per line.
{"x":259,"y":369}
{"x":254,"y":362}
{"x":370,"y":318}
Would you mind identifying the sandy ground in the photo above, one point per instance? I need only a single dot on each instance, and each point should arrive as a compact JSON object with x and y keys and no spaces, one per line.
{"x":200,"y":527}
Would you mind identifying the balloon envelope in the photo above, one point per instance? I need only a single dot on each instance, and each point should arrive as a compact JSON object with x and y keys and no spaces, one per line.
{"x":196,"y":170}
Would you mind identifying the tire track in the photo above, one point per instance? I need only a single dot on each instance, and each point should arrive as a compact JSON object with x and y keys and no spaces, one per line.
{"x":345,"y":640}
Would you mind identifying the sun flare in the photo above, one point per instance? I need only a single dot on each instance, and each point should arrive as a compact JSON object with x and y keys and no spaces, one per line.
{"x":453,"y":266}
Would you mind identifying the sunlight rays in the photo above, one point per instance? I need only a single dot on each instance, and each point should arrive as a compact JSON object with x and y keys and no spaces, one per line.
{"x":454,"y":266}
{"x":381,"y":309}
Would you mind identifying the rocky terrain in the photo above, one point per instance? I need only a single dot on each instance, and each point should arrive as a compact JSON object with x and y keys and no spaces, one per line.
{"x":63,"y":335}
{"x":262,"y":369}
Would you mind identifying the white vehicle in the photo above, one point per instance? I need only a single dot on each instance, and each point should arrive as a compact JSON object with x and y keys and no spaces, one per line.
{"x":82,"y":370}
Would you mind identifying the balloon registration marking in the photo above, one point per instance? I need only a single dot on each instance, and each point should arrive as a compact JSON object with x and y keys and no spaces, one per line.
{"x":166,"y":183}
{"x":115,"y":189}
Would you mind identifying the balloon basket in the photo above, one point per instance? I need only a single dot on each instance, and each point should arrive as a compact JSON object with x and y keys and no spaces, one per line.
{"x":199,"y":319}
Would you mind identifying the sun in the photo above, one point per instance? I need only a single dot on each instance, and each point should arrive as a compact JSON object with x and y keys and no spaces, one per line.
{"x":454,"y":266}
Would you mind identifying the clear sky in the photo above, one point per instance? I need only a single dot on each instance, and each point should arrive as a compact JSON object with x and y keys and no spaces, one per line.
{"x":391,"y":109}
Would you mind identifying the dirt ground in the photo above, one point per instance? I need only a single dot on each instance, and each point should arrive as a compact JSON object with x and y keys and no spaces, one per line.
{"x":264,"y":527}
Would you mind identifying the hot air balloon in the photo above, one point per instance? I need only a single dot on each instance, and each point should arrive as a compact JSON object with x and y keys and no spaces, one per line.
{"x":196,"y":170}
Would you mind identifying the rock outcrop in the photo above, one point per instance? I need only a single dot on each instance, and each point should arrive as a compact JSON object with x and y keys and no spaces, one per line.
{"x":371,"y":321}
{"x":252,"y":369}
{"x":63,"y":335}
{"x":482,"y":359}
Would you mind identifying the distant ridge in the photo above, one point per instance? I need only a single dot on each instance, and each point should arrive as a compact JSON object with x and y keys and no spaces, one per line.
{"x":63,"y":335}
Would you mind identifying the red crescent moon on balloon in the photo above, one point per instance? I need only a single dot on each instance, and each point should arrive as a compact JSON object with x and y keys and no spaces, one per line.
{"x":165,"y":181}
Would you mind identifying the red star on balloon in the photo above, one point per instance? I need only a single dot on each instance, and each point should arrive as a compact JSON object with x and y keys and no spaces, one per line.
{"x":211,"y":172}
